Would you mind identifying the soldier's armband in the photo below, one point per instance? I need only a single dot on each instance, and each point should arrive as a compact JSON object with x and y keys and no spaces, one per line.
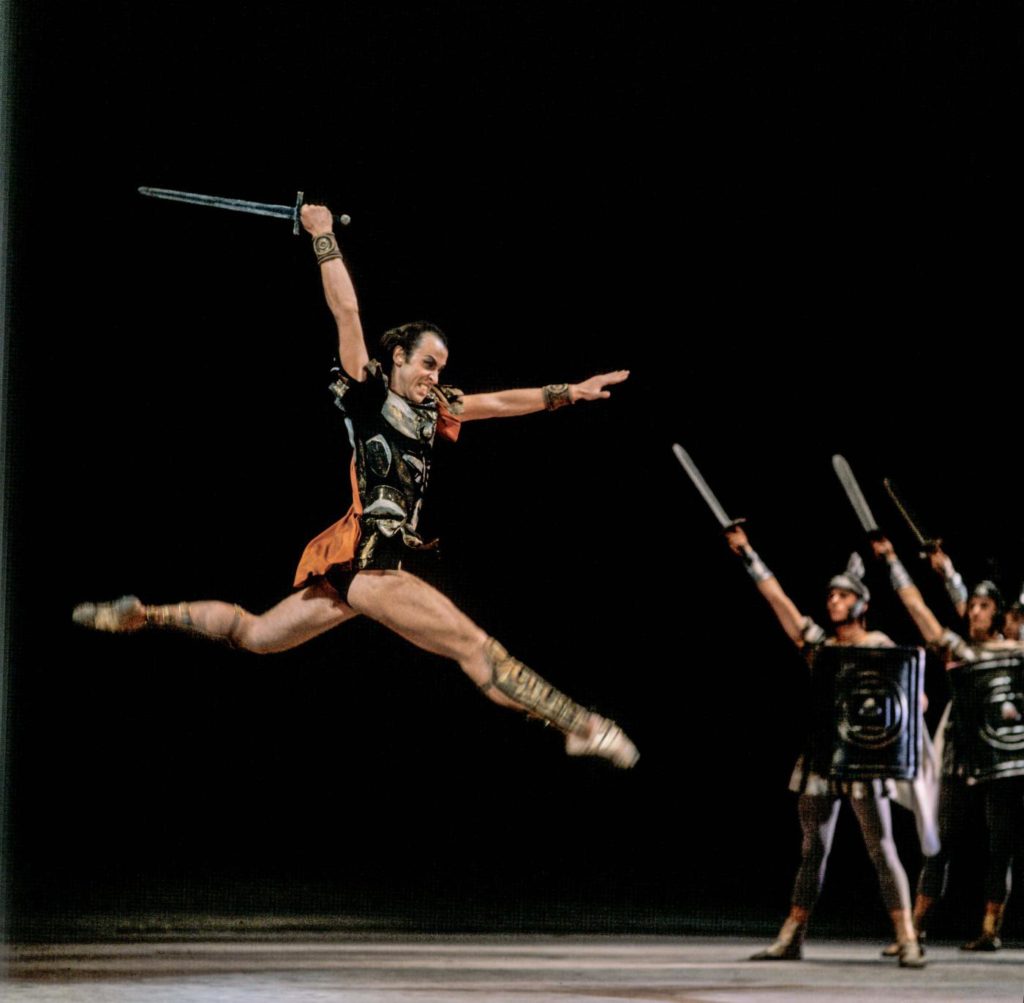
{"x":955,"y":588}
{"x":756,"y":568}
{"x":954,"y":644}
{"x":812,"y":633}
{"x":898,"y":575}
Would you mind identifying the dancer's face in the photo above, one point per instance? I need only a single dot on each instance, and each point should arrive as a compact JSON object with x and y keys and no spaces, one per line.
{"x":413,"y":376}
{"x":981,"y":614}
{"x":840,"y":603}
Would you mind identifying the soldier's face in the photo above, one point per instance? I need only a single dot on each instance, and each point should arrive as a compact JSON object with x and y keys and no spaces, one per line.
{"x":840,"y":603}
{"x":1012,"y":627}
{"x":413,"y":376}
{"x":981,"y":614}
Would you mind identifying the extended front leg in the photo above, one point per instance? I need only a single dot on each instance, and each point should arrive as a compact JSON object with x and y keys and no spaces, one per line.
{"x":419,"y":613}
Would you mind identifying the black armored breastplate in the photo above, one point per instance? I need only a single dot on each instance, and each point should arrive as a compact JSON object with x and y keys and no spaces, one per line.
{"x":393,"y":441}
{"x":393,"y":463}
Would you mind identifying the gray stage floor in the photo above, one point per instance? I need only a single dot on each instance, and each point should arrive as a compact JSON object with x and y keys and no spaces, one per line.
{"x":509,"y":969}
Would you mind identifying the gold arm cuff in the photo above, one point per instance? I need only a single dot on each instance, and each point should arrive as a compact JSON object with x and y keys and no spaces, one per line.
{"x":325,"y":247}
{"x":556,"y":395}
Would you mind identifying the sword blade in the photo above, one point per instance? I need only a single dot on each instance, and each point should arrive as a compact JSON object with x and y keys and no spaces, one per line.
{"x":239,"y":205}
{"x":923,"y":540}
{"x":701,"y":485}
{"x":236,"y":205}
{"x":854,"y":493}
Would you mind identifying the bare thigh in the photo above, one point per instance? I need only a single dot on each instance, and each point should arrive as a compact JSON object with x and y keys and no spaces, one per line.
{"x":294,"y":620}
{"x":419,"y":613}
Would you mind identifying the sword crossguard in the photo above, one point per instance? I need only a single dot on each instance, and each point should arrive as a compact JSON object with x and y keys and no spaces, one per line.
{"x":733,"y":523}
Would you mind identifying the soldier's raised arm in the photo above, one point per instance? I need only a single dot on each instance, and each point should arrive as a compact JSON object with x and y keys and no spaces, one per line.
{"x":794,"y":623}
{"x":942,"y":565}
{"x":910,"y":595}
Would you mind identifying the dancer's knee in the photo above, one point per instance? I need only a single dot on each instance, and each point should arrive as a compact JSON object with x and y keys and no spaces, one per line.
{"x":252,"y":633}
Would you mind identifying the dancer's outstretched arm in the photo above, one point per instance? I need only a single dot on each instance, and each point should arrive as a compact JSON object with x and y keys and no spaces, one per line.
{"x":511,"y":403}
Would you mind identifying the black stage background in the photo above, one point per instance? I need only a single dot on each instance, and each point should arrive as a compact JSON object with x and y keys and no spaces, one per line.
{"x":797,"y":225}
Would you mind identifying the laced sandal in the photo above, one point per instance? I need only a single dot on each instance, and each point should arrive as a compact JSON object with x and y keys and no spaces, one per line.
{"x":608,"y":741}
{"x":911,"y":955}
{"x":986,"y":942}
{"x":781,"y":950}
{"x":118,"y":617}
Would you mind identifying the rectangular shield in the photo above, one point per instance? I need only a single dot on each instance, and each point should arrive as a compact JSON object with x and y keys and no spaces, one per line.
{"x":988,"y":716}
{"x":867,"y":708}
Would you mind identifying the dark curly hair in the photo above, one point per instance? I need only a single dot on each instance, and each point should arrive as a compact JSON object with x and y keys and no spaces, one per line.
{"x":407,"y":336}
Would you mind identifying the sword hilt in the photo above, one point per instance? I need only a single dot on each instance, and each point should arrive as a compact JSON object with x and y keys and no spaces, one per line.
{"x":344,"y":219}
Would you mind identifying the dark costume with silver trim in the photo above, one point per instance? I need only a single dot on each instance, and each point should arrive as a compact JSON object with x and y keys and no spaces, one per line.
{"x":392,"y":440}
{"x":818,"y":810}
{"x":1003,"y":799}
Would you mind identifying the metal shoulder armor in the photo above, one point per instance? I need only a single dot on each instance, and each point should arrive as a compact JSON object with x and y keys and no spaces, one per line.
{"x":450,"y":398}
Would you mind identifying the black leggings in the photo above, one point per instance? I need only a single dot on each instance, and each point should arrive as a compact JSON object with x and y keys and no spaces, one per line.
{"x":818,"y":815}
{"x":1003,"y":802}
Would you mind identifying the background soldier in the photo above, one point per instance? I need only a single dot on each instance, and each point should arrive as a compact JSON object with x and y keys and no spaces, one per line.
{"x":1013,"y":623}
{"x":819,"y":797}
{"x":1003,"y":798}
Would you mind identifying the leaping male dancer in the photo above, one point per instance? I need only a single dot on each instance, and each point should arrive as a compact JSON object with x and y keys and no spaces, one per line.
{"x":355,"y":566}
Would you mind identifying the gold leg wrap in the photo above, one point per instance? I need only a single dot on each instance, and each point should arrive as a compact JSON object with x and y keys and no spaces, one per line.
{"x":522,"y":684}
{"x":176,"y":615}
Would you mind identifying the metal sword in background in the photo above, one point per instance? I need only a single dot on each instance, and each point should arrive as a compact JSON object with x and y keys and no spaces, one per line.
{"x":928,"y":544}
{"x":702,"y":486}
{"x":240,"y":205}
{"x":855,"y":495}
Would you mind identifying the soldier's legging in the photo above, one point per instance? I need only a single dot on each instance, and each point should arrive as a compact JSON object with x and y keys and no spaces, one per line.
{"x":818,"y":814}
{"x":1003,"y":802}
{"x":1004,"y":816}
